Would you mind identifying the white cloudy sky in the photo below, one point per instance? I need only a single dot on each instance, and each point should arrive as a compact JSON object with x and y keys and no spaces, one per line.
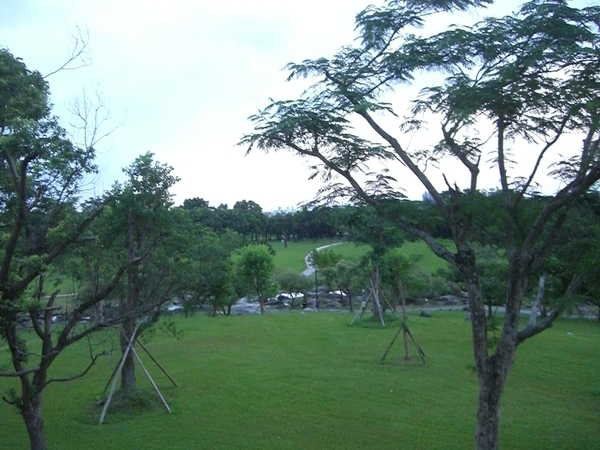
{"x":185,"y":75}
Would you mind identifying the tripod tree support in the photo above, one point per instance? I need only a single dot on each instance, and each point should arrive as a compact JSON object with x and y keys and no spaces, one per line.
{"x":404,"y":327}
{"x":119,"y":368}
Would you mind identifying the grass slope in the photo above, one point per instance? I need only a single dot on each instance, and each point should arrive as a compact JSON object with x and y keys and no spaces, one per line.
{"x":303,"y":381}
{"x":292,"y":256}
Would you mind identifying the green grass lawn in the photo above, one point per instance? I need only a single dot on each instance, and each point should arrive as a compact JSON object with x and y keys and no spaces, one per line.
{"x":292,"y":256}
{"x":304,"y":381}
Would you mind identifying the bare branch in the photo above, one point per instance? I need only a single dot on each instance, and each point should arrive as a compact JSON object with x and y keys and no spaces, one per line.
{"x":90,"y":117}
{"x":20,"y":373}
{"x":79,"y":375}
{"x":78,"y":53}
{"x":541,"y":155}
{"x":533,"y":328}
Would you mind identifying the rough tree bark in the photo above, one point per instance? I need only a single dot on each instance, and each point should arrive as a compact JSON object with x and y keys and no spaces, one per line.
{"x":32,"y":415}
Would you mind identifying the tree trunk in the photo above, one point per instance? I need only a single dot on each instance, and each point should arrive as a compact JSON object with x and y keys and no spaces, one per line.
{"x":131,"y":304}
{"x":377,"y":310}
{"x":492,"y":370}
{"x":32,"y":415}
{"x":487,"y":434}
{"x":98,"y":316}
{"x":404,"y":329}
{"x":128,"y":370}
{"x":349,"y":295}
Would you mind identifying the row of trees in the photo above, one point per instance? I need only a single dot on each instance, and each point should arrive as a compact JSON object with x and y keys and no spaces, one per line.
{"x":248,"y":219}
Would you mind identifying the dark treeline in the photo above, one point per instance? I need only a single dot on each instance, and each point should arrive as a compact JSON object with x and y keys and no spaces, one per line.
{"x":249,"y":220}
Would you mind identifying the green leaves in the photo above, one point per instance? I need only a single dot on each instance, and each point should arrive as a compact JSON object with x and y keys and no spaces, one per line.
{"x":254,"y":270}
{"x":23,"y":93}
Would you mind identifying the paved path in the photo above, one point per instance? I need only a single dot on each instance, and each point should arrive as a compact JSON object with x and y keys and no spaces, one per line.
{"x":309,"y":267}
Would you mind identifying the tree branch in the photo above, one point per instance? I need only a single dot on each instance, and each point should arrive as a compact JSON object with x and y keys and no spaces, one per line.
{"x":78,"y":51}
{"x":533,"y":329}
{"x":19,"y":373}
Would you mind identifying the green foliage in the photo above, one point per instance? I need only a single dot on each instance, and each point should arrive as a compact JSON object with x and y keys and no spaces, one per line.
{"x":254,"y":271}
{"x":325,"y":258}
{"x":293,"y":282}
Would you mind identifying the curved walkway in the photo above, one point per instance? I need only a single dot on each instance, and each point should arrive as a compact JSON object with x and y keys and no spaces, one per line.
{"x":309,"y":267}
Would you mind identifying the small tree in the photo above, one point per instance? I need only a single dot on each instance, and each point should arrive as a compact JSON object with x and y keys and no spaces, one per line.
{"x":348,"y":277}
{"x":254,"y":269}
{"x":293,"y":283}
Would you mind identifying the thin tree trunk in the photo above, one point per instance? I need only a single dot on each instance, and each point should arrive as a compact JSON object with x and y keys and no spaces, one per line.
{"x":349,"y":295}
{"x":98,"y":316}
{"x":377,"y":310}
{"x":537,"y":305}
{"x":404,"y":329}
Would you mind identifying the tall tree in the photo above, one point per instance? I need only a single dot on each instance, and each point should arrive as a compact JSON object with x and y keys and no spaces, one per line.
{"x":40,"y":174}
{"x":248,"y":219}
{"x":515,"y":86}
{"x":142,"y":212}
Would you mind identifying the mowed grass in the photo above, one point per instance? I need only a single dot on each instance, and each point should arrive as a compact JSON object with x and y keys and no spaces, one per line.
{"x":292,"y":256}
{"x":308,"y":380}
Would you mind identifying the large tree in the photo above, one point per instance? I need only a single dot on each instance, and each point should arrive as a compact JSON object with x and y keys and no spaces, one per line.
{"x":515,"y":88}
{"x":40,"y":173}
{"x":145,"y":237}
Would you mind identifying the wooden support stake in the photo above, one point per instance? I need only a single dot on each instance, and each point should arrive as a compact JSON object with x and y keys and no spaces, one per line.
{"x":419,"y":350}
{"x":151,"y":380}
{"x":119,"y":368}
{"x":156,"y":362}
{"x":111,"y":378}
{"x":375,"y":289}
{"x":361,"y":310}
{"x":392,"y":343}
{"x":421,"y":353}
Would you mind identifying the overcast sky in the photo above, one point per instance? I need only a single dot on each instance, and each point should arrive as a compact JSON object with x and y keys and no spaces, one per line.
{"x":182,"y":76}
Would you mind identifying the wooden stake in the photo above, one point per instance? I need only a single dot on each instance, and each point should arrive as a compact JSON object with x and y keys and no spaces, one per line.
{"x":119,"y":368}
{"x":151,"y":380}
{"x":156,"y":362}
{"x":392,"y":343}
